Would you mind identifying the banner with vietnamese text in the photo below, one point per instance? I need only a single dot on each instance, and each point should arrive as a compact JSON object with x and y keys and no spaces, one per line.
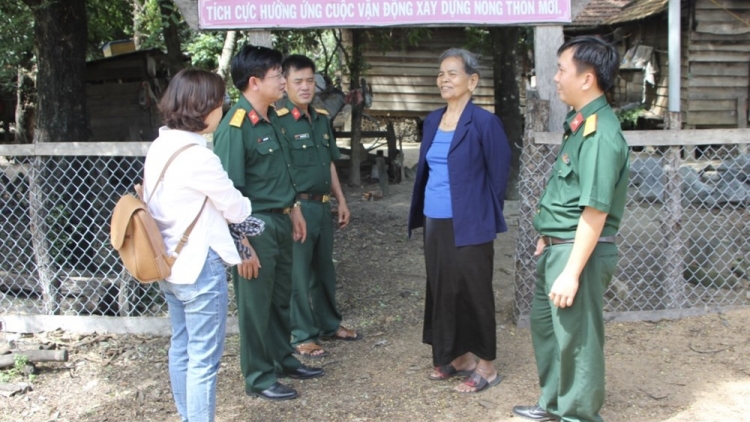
{"x":287,"y":14}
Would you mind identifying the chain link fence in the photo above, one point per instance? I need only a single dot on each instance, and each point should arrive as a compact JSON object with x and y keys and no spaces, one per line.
{"x":683,"y":248}
{"x":684,"y":241}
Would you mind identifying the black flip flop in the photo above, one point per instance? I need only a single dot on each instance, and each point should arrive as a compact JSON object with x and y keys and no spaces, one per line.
{"x":448,"y":371}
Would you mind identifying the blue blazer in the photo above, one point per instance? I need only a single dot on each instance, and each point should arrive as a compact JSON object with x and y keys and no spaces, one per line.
{"x":478,"y":167}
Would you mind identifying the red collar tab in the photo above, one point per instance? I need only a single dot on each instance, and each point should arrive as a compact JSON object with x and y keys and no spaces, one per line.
{"x":296,"y":113}
{"x":576,"y":122}
{"x":253,"y":116}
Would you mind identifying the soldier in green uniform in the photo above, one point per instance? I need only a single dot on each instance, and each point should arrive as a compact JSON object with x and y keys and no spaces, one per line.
{"x":577,"y":218}
{"x":257,"y":158}
{"x":313,"y":307}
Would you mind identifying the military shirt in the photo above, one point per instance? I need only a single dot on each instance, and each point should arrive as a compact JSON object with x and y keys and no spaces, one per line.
{"x":313,"y":146}
{"x":255,"y":155}
{"x":591,"y":170}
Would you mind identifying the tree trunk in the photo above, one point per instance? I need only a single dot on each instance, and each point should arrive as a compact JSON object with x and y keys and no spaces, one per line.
{"x":60,"y":32}
{"x":355,"y":69}
{"x":169,"y":18}
{"x":25,"y":100}
{"x":507,"y":97}
{"x":226,"y":54}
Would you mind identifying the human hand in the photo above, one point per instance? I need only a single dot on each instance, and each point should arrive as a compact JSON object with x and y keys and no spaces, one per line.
{"x":564,"y":290}
{"x":344,"y":215}
{"x":539,"y":247}
{"x":250,"y":265}
{"x":299,"y":226}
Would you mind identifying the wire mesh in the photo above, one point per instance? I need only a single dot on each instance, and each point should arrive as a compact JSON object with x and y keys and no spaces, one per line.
{"x":681,"y":247}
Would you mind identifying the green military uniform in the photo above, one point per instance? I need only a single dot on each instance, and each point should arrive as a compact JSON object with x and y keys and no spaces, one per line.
{"x":256,"y":158}
{"x":591,"y":170}
{"x":313,"y":306}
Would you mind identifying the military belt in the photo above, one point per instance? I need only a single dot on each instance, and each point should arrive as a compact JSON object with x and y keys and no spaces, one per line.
{"x":314,"y":197}
{"x":549,"y":240}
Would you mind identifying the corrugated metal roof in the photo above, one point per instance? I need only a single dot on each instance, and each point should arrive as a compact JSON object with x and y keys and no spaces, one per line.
{"x":638,"y":9}
{"x":599,"y":11}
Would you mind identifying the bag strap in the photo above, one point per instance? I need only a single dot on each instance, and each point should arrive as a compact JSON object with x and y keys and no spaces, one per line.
{"x":164,"y":170}
{"x":183,"y":240}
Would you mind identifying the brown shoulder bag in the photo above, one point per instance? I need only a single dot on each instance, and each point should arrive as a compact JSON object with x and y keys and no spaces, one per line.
{"x":136,"y":237}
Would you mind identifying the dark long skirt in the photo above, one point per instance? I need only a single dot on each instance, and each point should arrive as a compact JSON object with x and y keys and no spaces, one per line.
{"x":459,"y":313}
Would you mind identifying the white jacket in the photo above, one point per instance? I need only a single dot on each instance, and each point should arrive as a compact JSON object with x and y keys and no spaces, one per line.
{"x":193,"y":175}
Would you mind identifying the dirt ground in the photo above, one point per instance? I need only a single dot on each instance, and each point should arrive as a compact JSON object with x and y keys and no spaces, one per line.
{"x":695,"y":369}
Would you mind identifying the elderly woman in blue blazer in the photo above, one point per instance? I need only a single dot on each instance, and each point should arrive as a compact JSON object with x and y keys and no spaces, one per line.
{"x":458,"y":198}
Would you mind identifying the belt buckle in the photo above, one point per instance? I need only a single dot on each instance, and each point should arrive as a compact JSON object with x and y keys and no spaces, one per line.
{"x":325,"y":198}
{"x":287,"y":210}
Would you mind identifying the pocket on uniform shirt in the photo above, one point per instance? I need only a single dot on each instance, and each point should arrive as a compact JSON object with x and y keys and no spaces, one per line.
{"x":303,"y":152}
{"x":564,"y":174}
{"x":267,"y":148}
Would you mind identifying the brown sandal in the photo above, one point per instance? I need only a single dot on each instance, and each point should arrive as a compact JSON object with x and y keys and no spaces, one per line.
{"x":308,"y":350}
{"x":345,"y":334}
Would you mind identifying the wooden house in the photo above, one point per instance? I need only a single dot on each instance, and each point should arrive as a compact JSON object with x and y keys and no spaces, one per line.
{"x":715,"y":58}
{"x":122,"y":93}
{"x":404,"y":79}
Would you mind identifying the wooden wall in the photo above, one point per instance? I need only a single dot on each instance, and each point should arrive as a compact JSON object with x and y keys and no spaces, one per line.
{"x":122,"y":92}
{"x":404,"y":81}
{"x":719,"y":64}
{"x":117,"y":114}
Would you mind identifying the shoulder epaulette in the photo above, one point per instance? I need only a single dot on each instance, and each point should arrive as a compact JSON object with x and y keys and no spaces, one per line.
{"x":282,"y":111}
{"x":238,"y":118}
{"x":322,"y":111}
{"x":590,"y":126}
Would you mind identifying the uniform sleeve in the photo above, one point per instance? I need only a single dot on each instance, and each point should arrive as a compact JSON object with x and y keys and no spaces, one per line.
{"x":496,"y":156}
{"x":229,"y":146}
{"x":600,"y":162}
{"x":209,"y":178}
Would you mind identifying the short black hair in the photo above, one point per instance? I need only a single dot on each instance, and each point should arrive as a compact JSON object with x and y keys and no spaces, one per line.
{"x":593,"y":52}
{"x":191,"y":96}
{"x":297,"y":62}
{"x":253,"y":60}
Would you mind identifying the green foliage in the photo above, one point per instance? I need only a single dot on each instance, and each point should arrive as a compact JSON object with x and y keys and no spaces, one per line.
{"x":19,"y":363}
{"x":205,"y":49}
{"x":16,"y":41}
{"x":107,"y":21}
{"x":629,"y":117}
{"x":320,"y":45}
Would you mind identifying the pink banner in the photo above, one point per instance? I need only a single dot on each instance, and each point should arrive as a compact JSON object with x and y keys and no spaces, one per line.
{"x":275,"y":14}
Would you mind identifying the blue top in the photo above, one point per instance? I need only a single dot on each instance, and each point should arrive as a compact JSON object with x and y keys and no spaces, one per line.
{"x":478,"y":165}
{"x":437,"y":193}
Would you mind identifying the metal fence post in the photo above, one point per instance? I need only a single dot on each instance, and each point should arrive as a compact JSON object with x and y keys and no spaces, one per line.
{"x":38,"y":227}
{"x":535,"y":168}
{"x":674,"y":259}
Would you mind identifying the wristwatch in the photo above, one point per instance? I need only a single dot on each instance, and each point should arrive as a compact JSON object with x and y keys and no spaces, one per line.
{"x":297,"y":204}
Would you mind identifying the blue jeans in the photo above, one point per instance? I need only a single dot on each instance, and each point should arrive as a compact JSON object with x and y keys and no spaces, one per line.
{"x":198,"y":313}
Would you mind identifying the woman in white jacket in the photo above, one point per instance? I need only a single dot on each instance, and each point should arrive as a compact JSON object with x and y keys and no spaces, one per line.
{"x":196,"y":290}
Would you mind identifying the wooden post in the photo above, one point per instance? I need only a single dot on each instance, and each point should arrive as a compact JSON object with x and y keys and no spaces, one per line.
{"x":535,"y":168}
{"x":671,"y":227}
{"x":393,"y":153}
{"x":357,"y":109}
{"x":260,"y":38}
{"x":38,"y":228}
{"x":547,"y":39}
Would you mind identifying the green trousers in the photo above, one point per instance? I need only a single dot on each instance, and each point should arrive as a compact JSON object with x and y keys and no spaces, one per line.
{"x":313,"y":305}
{"x":263,"y":306}
{"x":569,"y":342}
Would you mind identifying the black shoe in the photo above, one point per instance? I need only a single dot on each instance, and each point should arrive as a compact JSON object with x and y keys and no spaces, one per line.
{"x":534,"y":413}
{"x":303,"y":372}
{"x":277,"y":391}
